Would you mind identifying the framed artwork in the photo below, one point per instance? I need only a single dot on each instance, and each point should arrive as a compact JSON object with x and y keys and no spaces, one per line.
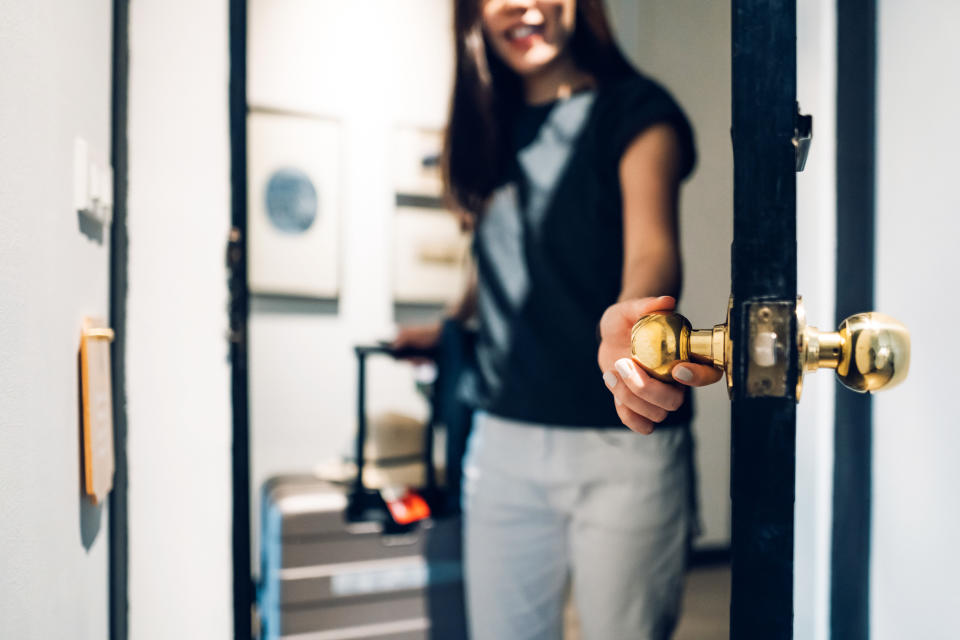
{"x":430,"y":256}
{"x":431,"y":252}
{"x":416,"y":163}
{"x":293,"y":205}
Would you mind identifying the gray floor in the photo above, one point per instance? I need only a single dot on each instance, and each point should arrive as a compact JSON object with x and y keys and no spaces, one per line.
{"x":706,"y":607}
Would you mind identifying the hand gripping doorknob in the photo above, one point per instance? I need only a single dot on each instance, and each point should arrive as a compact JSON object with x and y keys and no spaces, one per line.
{"x":870,"y":351}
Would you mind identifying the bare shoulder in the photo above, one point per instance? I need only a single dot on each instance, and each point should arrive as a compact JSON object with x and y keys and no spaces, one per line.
{"x":654,"y":151}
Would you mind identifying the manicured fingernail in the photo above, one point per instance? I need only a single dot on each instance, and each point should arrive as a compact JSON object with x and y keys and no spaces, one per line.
{"x":611,"y":379}
{"x":683,"y":374}
{"x":624,"y":367}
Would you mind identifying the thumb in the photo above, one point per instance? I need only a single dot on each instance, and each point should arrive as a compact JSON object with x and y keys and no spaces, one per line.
{"x":696,"y":375}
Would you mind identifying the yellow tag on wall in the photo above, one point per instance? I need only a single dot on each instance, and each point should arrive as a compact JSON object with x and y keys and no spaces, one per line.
{"x":97,"y":396}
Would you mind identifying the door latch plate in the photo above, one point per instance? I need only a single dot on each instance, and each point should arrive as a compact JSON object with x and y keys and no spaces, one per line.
{"x":768,"y":365}
{"x":802,"y":139}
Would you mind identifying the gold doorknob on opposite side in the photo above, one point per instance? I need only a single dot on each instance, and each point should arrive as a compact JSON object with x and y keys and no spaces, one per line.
{"x":870,"y":351}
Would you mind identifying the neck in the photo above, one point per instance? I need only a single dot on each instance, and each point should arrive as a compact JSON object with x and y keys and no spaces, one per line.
{"x":559,"y":79}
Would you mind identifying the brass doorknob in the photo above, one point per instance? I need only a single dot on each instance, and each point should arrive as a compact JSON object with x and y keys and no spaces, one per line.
{"x":870,"y":351}
{"x":661,"y":340}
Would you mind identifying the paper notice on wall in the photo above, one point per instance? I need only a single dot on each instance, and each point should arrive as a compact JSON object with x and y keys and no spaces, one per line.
{"x":97,"y":401}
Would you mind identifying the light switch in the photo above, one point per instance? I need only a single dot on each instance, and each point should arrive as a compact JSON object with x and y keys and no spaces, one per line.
{"x":92,"y":185}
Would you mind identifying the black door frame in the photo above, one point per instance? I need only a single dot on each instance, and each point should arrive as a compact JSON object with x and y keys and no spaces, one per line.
{"x":118,"y":516}
{"x":853,"y":425}
{"x":243,"y":587}
{"x":764,"y":269}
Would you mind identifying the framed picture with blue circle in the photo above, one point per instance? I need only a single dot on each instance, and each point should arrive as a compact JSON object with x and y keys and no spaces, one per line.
{"x":294,"y":205}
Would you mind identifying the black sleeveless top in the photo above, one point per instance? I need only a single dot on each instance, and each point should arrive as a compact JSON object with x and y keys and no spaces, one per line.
{"x":549,"y":251}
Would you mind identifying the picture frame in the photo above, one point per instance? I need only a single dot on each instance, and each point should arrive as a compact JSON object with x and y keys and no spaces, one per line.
{"x":431,"y":250}
{"x":293,"y":205}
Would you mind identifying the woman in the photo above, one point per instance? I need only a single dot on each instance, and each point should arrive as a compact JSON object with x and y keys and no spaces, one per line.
{"x":567,"y":163}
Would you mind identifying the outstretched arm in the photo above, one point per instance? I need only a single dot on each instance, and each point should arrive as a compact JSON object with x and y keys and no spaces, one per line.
{"x":650,"y":184}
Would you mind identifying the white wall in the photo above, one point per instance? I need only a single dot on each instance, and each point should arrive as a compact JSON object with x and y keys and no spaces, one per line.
{"x":304,"y":56}
{"x":916,"y":520}
{"x":55,"y":86}
{"x":178,"y":383}
{"x":685,"y":44}
{"x":816,"y":260}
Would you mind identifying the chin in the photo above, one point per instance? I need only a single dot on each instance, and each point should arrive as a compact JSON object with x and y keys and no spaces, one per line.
{"x":531,"y":62}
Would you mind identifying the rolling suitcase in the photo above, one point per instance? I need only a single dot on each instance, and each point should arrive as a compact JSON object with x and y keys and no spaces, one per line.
{"x":335,"y":566}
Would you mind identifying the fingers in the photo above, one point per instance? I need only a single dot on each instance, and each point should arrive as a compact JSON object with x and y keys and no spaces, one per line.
{"x":633,"y":421}
{"x":641,"y":401}
{"x":622,"y":395}
{"x":413,"y":339}
{"x":624,"y":314}
{"x":633,"y":309}
{"x":424,"y":337}
{"x":696,"y":375}
{"x":640,"y":384}
{"x":641,"y":407}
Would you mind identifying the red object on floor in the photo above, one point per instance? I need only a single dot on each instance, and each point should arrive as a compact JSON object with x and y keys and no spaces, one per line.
{"x":406,"y":508}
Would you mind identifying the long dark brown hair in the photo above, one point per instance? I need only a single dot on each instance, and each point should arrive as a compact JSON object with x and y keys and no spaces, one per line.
{"x":486,"y":92}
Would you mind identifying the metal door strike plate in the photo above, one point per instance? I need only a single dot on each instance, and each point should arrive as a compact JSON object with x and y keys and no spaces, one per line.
{"x":768,"y":366}
{"x":802,"y":139}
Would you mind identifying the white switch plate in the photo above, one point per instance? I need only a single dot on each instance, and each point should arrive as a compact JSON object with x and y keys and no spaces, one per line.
{"x":92,"y":185}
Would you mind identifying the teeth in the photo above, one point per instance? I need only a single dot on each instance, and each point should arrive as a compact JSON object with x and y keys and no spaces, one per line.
{"x":521,"y":32}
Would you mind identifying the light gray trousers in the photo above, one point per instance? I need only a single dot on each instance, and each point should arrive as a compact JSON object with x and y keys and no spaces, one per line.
{"x":606,"y":508}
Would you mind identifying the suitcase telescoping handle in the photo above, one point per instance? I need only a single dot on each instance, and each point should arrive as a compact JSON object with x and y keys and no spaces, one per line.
{"x":365,"y":504}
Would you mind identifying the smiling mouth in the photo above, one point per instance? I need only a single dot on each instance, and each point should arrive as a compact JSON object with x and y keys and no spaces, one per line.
{"x":524,"y":31}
